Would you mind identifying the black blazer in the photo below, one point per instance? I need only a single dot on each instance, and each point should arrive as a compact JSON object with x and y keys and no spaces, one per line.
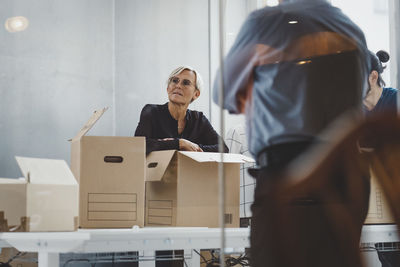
{"x":157,"y":123}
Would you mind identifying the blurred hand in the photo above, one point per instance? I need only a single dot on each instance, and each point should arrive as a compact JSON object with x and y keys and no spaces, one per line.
{"x":186,"y":145}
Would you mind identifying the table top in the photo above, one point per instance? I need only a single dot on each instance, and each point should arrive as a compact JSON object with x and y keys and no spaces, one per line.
{"x":376,"y":233}
{"x":154,"y":238}
{"x":116,"y":240}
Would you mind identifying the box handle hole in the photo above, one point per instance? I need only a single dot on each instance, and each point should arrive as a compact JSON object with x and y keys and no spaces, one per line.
{"x":113,"y":159}
{"x":152,"y":165}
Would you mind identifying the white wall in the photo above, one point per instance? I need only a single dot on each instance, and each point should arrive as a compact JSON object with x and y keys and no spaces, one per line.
{"x":236,"y":12}
{"x":152,"y":38}
{"x":52,"y":76}
{"x":80,"y":55}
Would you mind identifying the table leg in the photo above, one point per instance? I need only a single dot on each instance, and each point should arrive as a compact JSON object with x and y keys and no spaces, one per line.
{"x":149,"y":259}
{"x":194,"y":260}
{"x":47,"y":259}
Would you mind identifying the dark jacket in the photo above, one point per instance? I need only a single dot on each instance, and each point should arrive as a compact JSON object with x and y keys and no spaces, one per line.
{"x":157,"y":123}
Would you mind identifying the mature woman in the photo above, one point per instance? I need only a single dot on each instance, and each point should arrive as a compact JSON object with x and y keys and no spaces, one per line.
{"x":173,"y":125}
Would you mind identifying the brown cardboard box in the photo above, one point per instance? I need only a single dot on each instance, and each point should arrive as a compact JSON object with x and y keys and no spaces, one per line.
{"x":182,"y":188}
{"x":12,"y":201}
{"x":379,"y":211}
{"x":210,"y":257}
{"x":46,"y":200}
{"x":23,"y":259}
{"x":111,"y":172}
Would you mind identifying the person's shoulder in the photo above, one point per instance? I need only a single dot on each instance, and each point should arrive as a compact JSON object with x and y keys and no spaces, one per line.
{"x":265,"y":11}
{"x":389,"y":95}
{"x":196,"y":114}
{"x":151,"y":108}
{"x":264,"y":14}
{"x":390,"y":90}
{"x":317,"y":11}
{"x":155,"y":107}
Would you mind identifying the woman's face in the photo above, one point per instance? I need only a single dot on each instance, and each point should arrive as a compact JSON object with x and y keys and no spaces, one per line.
{"x":181,"y":88}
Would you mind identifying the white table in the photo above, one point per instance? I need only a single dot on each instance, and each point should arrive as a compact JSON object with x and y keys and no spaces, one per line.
{"x":49,"y":245}
{"x":379,"y":234}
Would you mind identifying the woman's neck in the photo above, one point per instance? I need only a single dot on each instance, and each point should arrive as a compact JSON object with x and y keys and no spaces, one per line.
{"x":373,"y":97}
{"x":177,"y":111}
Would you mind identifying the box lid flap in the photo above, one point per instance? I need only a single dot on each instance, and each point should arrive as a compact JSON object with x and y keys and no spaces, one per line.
{"x":216,"y":157}
{"x":157,"y":163}
{"x":46,"y":171}
{"x":89,"y":124}
{"x":12,"y":181}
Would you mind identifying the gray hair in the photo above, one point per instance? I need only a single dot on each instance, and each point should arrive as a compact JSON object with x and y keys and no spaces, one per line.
{"x":178,"y":70}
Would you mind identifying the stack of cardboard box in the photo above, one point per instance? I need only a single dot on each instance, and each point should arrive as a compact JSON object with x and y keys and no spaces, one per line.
{"x":181,"y":187}
{"x":119,"y":187}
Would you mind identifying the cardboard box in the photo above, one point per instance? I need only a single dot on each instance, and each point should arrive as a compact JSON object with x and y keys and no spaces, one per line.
{"x":210,"y":257}
{"x":182,"y":188}
{"x":23,"y":259}
{"x":12,"y":202}
{"x":379,"y":211}
{"x":111,"y":172}
{"x":46,"y":200}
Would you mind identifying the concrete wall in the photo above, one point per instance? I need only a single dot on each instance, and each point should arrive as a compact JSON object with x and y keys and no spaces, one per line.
{"x":77,"y":56}
{"x":52,"y":76}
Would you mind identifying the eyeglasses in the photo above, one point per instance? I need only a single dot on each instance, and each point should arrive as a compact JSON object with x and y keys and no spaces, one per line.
{"x":185,"y":82}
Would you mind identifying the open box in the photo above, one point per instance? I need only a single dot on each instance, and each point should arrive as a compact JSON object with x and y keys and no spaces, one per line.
{"x":379,"y":211}
{"x":111,"y":172}
{"x":46,"y":200}
{"x":182,"y":188}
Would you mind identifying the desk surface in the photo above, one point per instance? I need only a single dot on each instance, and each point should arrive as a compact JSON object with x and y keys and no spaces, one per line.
{"x":379,"y":233}
{"x":119,"y":240}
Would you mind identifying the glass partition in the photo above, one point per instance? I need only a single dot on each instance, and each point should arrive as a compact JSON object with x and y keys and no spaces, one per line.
{"x":76,"y":81}
{"x":76,"y":74}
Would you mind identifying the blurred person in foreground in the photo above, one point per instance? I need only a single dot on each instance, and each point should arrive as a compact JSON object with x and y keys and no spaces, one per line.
{"x":173,"y":125}
{"x":293,"y":70}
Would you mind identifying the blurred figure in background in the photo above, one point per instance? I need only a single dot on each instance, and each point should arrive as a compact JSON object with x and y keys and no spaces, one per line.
{"x":382,"y":99}
{"x":293,"y":70}
{"x":379,"y":98}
